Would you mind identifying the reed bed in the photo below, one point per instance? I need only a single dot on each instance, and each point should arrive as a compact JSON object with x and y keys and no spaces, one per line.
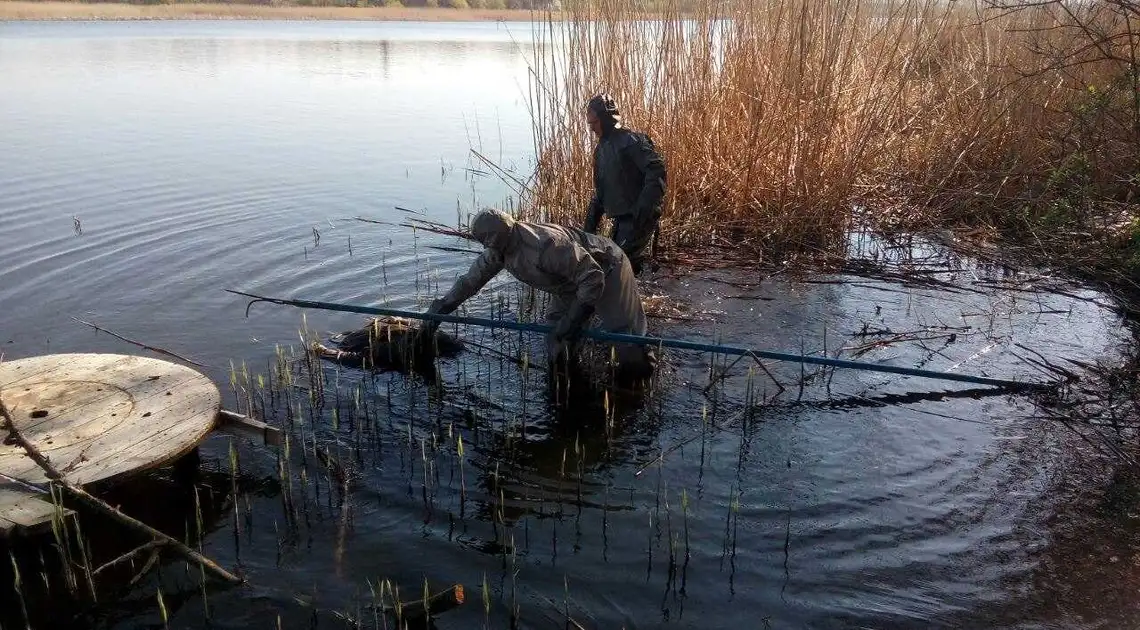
{"x":785,"y":122}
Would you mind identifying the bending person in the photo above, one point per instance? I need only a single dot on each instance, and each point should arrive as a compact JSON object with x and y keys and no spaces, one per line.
{"x":586,"y":276}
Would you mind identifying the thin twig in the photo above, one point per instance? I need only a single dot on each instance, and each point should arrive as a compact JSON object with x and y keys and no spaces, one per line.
{"x":504,"y":175}
{"x":150,"y":562}
{"x":502,"y":355}
{"x":779,"y":385}
{"x":152,"y":545}
{"x":457,"y":250}
{"x":374,"y":221}
{"x":140,"y":344}
{"x":438,"y":228}
{"x":442,"y":601}
{"x":1059,"y":370}
{"x":569,"y":620}
{"x":661,"y":457}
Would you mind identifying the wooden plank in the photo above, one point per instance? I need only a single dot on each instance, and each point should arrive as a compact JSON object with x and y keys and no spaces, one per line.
{"x":83,"y":392}
{"x":160,"y":444}
{"x":101,"y":416}
{"x":20,"y":372}
{"x":23,"y":511}
{"x":244,"y":425}
{"x":152,"y":430}
{"x":6,"y":527}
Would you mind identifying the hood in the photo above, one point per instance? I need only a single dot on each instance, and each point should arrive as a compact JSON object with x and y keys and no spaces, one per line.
{"x":492,"y":228}
{"x":607,"y":111}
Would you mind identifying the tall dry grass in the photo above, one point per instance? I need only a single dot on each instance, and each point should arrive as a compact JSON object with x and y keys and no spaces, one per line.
{"x":778,"y":117}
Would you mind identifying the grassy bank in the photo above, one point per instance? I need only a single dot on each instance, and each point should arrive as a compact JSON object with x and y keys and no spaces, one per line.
{"x":24,"y":10}
{"x":1023,"y":121}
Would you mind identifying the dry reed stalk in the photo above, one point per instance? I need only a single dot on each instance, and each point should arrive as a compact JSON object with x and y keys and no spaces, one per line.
{"x":776,"y":117}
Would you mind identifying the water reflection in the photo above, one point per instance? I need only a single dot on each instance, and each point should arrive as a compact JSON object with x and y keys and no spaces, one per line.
{"x":205,"y":156}
{"x":187,"y":502}
{"x":405,"y":62}
{"x":544,"y":467}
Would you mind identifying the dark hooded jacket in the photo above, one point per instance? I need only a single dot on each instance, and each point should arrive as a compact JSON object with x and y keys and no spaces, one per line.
{"x":629,"y":178}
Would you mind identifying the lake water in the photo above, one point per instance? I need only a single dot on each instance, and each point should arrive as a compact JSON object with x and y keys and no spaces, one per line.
{"x":145,"y":167}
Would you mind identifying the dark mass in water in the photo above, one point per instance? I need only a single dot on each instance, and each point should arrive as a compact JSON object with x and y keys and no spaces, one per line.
{"x":387,"y":343}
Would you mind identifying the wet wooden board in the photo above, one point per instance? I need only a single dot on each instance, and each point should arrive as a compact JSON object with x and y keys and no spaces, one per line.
{"x":24,"y":511}
{"x":103,"y":416}
{"x":238,"y":424}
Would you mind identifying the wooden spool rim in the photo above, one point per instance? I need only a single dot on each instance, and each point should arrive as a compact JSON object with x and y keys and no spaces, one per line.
{"x":103,"y":417}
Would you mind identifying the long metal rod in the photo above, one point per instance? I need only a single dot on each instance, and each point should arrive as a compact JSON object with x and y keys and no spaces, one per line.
{"x":647,"y":341}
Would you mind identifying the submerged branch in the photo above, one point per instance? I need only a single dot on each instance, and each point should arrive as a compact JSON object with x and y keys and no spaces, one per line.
{"x":191,"y":556}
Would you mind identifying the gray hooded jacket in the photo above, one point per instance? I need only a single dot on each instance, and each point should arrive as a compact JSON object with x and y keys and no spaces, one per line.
{"x":571,"y":265}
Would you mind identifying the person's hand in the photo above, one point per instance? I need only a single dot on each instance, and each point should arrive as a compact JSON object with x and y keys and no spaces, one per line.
{"x":429,"y":327}
{"x":570,"y":326}
{"x":591,"y":224}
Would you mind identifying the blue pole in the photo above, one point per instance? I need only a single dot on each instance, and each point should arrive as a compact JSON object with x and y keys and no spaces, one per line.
{"x":648,"y":341}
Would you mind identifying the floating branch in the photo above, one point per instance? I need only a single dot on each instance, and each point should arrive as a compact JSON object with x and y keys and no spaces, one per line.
{"x":140,"y":344}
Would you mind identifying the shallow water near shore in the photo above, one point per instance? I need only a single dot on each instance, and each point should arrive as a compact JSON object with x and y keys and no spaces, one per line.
{"x":149,"y":166}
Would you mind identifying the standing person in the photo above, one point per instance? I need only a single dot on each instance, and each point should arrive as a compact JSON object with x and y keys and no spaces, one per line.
{"x":629,"y":181}
{"x":585,"y":275}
